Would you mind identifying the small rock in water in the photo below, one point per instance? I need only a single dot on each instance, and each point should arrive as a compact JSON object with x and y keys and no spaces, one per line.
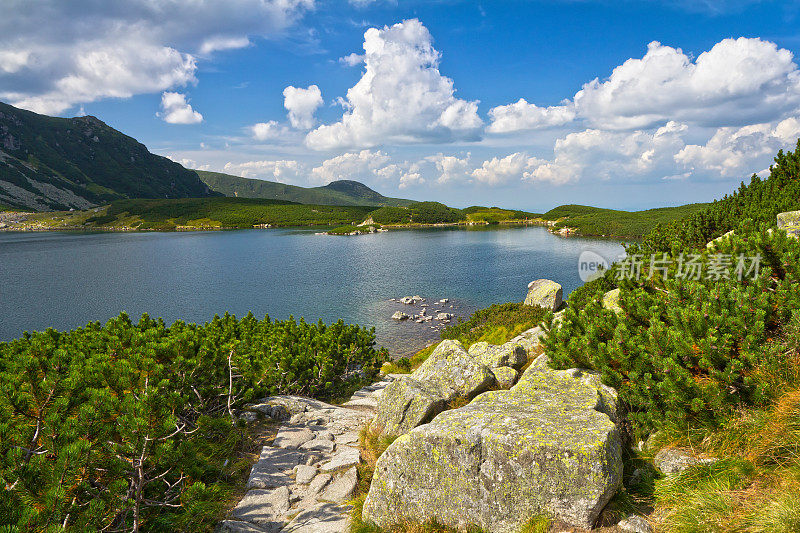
{"x":444,"y":300}
{"x":399,"y":315}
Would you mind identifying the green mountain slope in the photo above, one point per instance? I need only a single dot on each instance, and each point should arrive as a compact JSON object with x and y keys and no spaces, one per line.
{"x":343,"y":192}
{"x":49,"y":163}
{"x":611,"y":222}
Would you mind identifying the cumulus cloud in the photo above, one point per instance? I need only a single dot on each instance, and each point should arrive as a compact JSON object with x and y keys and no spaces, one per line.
{"x":175,"y":109}
{"x":190,"y":163}
{"x":602,"y":154}
{"x":266,"y":131}
{"x":524,"y":116}
{"x":302,"y":104}
{"x":401,"y":97}
{"x":55,"y":54}
{"x":738,"y":81}
{"x":283,"y":171}
{"x":350,"y":166}
{"x":351,"y":60}
{"x":498,"y":171}
{"x":731,"y":152}
{"x":450,"y":168}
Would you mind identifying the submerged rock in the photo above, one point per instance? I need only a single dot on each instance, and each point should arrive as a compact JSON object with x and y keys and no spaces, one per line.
{"x":544,"y":293}
{"x":548,"y":445}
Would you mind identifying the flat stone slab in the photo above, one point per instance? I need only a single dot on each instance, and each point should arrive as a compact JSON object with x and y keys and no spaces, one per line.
{"x":235,"y":526}
{"x":345,"y":457}
{"x":341,"y":489}
{"x":320,"y":445}
{"x":304,"y":474}
{"x":263,"y":507}
{"x":292,"y":437}
{"x":324,"y":517}
{"x":271,"y":469}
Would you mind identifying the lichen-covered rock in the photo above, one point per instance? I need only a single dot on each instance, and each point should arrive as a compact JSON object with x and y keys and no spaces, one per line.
{"x":505,"y":376}
{"x":454,"y":371}
{"x":511,"y":354}
{"x":790,"y":223}
{"x":405,"y":404}
{"x":547,"y":445}
{"x":611,"y":301}
{"x":710,"y":245}
{"x":448,"y":373}
{"x":676,"y":460}
{"x":544,"y":293}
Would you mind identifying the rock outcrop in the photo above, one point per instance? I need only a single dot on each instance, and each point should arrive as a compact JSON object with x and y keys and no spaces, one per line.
{"x":549,"y":444}
{"x":611,"y":301}
{"x":675,"y":460}
{"x":450,"y":372}
{"x":544,"y":293}
{"x":790,"y":223}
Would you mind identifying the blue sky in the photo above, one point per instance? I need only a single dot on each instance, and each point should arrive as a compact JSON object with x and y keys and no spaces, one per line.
{"x":625,"y":104}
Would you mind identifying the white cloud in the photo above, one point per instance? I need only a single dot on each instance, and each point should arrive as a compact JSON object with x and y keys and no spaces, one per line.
{"x":265,"y":131}
{"x":498,"y":171}
{"x":56,"y":54}
{"x":283,"y":171}
{"x":221,"y":43}
{"x":524,"y":116}
{"x":598,"y":154}
{"x":450,"y":168}
{"x":738,"y":81}
{"x":350,"y":166}
{"x":190,"y":163}
{"x":401,"y":97}
{"x":302,"y":104}
{"x":176,"y":110}
{"x":351,"y":60}
{"x":732,"y":152}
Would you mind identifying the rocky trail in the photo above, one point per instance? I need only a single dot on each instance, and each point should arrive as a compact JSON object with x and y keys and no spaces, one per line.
{"x":302,"y":481}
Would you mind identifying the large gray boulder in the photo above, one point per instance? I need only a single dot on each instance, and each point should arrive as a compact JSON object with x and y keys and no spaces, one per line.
{"x":790,"y":223}
{"x":448,"y":373}
{"x":547,"y":445}
{"x":511,"y":354}
{"x":544,"y":293}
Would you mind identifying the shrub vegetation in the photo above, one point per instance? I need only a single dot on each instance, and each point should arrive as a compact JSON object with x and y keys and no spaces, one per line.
{"x":130,"y":425}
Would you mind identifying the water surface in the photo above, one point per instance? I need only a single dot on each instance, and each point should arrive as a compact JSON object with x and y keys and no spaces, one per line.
{"x":64,"y":280}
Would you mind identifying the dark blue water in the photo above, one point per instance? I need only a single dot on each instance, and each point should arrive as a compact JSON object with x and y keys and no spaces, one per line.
{"x":64,"y":280}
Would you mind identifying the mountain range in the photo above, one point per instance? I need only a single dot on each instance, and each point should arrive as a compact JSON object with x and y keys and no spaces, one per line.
{"x":342,"y":192}
{"x":49,"y":163}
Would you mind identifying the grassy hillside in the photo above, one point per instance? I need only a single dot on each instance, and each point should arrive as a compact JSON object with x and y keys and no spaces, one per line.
{"x":342,"y":192}
{"x":196,"y":213}
{"x":611,"y":222}
{"x":49,"y":163}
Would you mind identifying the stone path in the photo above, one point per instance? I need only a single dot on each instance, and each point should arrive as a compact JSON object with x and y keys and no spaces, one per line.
{"x":302,"y":482}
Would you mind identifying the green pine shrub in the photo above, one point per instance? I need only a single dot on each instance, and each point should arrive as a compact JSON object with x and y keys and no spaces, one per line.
{"x":130,"y":426}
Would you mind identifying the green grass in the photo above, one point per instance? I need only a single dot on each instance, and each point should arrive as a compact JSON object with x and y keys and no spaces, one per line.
{"x":613,"y":223}
{"x":496,"y":215}
{"x":224,"y":212}
{"x":496,"y":324}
